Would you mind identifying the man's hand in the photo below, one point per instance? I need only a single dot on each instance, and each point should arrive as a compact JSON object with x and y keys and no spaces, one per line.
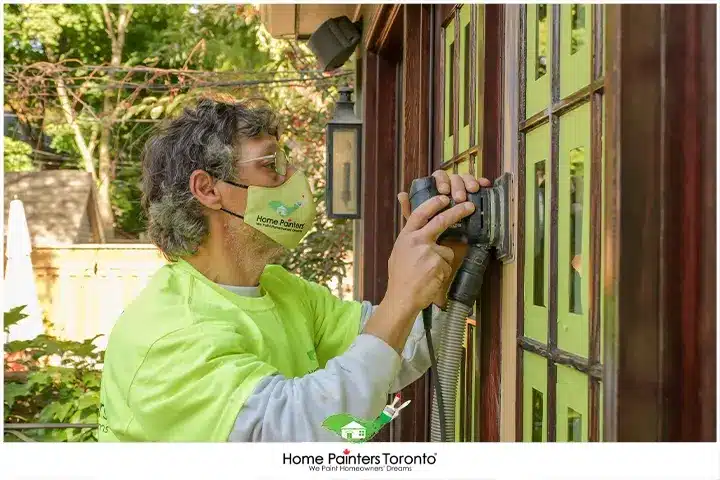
{"x":446,"y":184}
{"x":417,"y":269}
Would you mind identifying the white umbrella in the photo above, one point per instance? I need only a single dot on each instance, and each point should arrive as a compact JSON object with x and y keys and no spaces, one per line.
{"x":19,"y":288}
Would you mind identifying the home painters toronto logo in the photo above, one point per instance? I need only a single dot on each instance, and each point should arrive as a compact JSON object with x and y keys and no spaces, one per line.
{"x":357,"y":430}
{"x":285,"y":212}
{"x":356,"y":462}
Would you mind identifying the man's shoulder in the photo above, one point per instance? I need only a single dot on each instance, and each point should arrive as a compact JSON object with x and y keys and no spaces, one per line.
{"x":277,"y":274}
{"x":158,"y":309}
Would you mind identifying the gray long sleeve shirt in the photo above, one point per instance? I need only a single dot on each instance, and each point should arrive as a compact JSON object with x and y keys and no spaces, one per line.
{"x":357,"y":382}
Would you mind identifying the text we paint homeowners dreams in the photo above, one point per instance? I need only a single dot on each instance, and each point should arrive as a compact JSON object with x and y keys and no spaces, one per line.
{"x":347,"y":462}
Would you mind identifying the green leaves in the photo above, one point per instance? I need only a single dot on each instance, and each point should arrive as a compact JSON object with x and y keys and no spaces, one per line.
{"x":16,"y":156}
{"x":53,"y":381}
{"x":13,"y":390}
{"x":13,"y":316}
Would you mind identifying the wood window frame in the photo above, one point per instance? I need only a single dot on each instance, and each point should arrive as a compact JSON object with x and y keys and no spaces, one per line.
{"x":381,"y":57}
{"x":660,"y":348}
{"x":658,"y":211}
{"x":590,"y":366}
{"x":486,"y":326}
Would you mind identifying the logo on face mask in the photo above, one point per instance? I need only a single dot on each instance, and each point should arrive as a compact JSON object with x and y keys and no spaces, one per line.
{"x":285,"y":213}
{"x":284,"y":210}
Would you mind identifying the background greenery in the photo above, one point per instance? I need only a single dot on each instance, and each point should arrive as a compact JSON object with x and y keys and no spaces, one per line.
{"x":169,"y":55}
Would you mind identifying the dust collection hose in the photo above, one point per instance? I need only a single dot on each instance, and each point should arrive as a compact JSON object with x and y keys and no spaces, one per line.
{"x":446,"y":372}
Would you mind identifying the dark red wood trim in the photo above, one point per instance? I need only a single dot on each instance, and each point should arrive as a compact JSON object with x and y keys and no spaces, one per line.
{"x":390,"y":43}
{"x":686,"y":97}
{"x":612,"y":223}
{"x":561,"y":357}
{"x":565,"y":104}
{"x":380,"y":159}
{"x":596,"y":58}
{"x":395,"y":11}
{"x":439,"y":88}
{"x":446,"y":13}
{"x":370,"y":172}
{"x":554,"y":169}
{"x":707,"y":316}
{"x":471,"y":407}
{"x":489,"y":333}
{"x":462,"y":394}
{"x":520,"y":245}
{"x":416,"y":85}
{"x":455,"y":93}
{"x":653,"y":343}
{"x":376,"y":27}
{"x":380,"y":167}
{"x":473,"y":75}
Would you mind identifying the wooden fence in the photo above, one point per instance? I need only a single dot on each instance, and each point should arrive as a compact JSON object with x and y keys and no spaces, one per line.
{"x":84,"y":288}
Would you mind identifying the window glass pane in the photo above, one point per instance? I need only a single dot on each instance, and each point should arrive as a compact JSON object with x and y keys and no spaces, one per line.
{"x":578,"y":31}
{"x":577,"y":164}
{"x":541,"y":40}
{"x":574,"y":426}
{"x":537,"y":416}
{"x":539,"y":228}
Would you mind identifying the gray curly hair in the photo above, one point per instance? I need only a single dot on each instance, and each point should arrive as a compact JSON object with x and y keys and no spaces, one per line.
{"x":201,"y":138}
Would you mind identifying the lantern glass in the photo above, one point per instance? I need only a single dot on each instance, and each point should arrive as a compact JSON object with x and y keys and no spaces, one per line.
{"x":344,"y":164}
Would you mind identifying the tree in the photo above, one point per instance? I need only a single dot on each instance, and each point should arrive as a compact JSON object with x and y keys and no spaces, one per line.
{"x":54,"y":88}
{"x":97,"y":78}
{"x":17,"y":156}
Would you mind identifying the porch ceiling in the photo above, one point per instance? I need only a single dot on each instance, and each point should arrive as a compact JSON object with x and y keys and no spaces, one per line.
{"x":298,"y":21}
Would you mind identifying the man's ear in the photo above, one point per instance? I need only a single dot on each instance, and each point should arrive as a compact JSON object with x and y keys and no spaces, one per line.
{"x":205,"y":189}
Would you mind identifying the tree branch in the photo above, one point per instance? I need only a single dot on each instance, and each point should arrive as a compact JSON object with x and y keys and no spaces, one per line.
{"x":108,"y":23}
{"x":123,"y":21}
{"x":94,"y":138}
{"x":71,"y":120}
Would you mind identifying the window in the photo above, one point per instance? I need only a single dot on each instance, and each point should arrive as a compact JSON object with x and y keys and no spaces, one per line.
{"x":535,"y":399}
{"x":561,"y":148}
{"x":463,"y":90}
{"x":462,"y":47}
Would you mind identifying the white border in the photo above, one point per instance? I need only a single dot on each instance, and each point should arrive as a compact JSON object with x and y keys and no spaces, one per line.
{"x":457,"y":461}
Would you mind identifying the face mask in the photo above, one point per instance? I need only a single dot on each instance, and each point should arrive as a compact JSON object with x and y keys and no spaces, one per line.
{"x":285,"y":213}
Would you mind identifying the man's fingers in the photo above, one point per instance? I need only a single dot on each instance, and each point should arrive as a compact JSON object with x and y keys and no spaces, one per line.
{"x":427,"y":210}
{"x":404,"y":200}
{"x":446,"y":253}
{"x":446,"y":219}
{"x":442,"y":182}
{"x":458,"y":188}
{"x":484,"y":182}
{"x":471,"y":183}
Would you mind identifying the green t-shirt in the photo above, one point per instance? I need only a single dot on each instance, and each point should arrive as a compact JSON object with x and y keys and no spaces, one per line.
{"x":186,"y":354}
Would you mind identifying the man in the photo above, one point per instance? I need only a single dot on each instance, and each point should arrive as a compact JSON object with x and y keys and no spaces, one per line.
{"x":222,"y":345}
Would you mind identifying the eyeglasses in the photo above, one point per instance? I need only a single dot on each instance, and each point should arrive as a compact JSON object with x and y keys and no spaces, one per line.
{"x":280,"y":161}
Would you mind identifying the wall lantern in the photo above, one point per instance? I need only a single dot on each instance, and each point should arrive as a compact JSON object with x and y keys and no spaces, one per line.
{"x":344,"y":157}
